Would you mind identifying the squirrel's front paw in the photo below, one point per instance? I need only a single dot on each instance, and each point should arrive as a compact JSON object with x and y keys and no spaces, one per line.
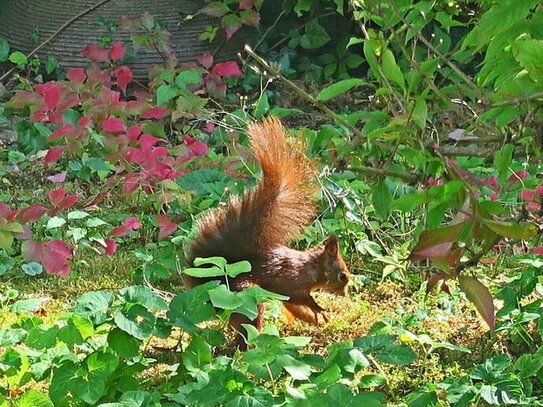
{"x":323,"y":315}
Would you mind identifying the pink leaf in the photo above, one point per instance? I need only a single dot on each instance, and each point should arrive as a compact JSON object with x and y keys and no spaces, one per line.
{"x":134,"y":132}
{"x":209,"y":127}
{"x":146,"y":141}
{"x":67,"y":202}
{"x":53,"y":155}
{"x":110,"y":247}
{"x":26,"y":234}
{"x":32,"y":251}
{"x":128,"y":225}
{"x":31,"y":214}
{"x":195,"y":146}
{"x":539,"y":190}
{"x":55,"y":257}
{"x":479,"y":296}
{"x":537,"y":250}
{"x":215,"y":86}
{"x":84,"y":121}
{"x":66,"y":130}
{"x":124,"y":77}
{"x":116,"y":51}
{"x":206,"y":60}
{"x":60,"y":201}
{"x":58,"y":178}
{"x":51,"y":94}
{"x":533,"y":207}
{"x":56,"y":196}
{"x":434,"y":279}
{"x":95,"y":53}
{"x":166,"y":226}
{"x":4,"y":208}
{"x":76,"y":75}
{"x":155,"y":113}
{"x":131,"y":183}
{"x":231,"y":24}
{"x":250,"y":17}
{"x":114,"y":125}
{"x":228,"y":69}
{"x":517,"y":176}
{"x":527,"y":194}
{"x":246,"y":4}
{"x":132,"y":223}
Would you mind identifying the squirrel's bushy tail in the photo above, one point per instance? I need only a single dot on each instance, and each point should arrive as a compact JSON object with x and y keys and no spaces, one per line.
{"x":270,"y":215}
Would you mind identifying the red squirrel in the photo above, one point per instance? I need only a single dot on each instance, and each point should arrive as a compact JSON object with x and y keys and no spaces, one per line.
{"x":257,"y":226}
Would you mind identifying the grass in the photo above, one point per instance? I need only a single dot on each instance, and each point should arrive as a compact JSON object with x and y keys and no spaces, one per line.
{"x":393,"y":306}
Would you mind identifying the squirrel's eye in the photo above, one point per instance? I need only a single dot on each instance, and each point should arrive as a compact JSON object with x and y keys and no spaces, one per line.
{"x":342,"y":277}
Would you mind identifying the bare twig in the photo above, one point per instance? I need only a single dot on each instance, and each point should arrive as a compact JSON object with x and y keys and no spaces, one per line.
{"x":57,"y":32}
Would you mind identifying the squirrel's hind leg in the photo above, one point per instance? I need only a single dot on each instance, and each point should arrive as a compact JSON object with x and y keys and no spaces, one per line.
{"x":236,"y":321}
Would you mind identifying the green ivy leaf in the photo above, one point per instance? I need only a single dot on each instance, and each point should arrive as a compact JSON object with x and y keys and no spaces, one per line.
{"x":139,"y":294}
{"x":315,"y":36}
{"x":235,"y":269}
{"x":4,"y":49}
{"x":391,"y":70}
{"x":409,"y":202}
{"x":164,"y":94}
{"x":222,"y":297}
{"x":32,"y":268}
{"x":51,"y":64}
{"x":381,"y":198}
{"x":297,"y":369}
{"x":397,"y":355}
{"x":42,"y":337}
{"x":33,"y":398}
{"x":339,"y":88}
{"x":512,"y":230}
{"x":95,"y":305}
{"x":18,"y":58}
{"x":55,"y":222}
{"x":28,"y":305}
{"x":185,"y":78}
{"x":216,"y":9}
{"x":136,"y":321}
{"x":9,"y":337}
{"x":502,"y":161}
{"x":76,"y":331}
{"x":197,"y":354}
{"x":123,"y":344}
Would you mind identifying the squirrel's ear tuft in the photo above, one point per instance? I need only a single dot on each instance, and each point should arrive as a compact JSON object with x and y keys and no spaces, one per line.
{"x":331,"y":246}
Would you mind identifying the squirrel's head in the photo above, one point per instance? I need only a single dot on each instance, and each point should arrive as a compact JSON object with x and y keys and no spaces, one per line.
{"x":335,"y":272}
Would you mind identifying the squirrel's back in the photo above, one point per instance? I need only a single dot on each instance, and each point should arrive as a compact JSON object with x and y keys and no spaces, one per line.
{"x":270,"y":215}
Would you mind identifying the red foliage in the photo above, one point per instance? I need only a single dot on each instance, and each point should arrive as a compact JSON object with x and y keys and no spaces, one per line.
{"x":53,"y":255}
{"x":76,"y":75}
{"x":95,"y":53}
{"x":155,"y":113}
{"x":166,"y":226}
{"x":114,"y":125}
{"x":60,"y":201}
{"x":127,"y":226}
{"x":228,"y":69}
{"x":53,"y":155}
{"x":206,"y":60}
{"x":124,"y":77}
{"x":116,"y":52}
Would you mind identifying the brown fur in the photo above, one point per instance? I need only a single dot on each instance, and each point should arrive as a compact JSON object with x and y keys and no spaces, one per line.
{"x":257,"y":227}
